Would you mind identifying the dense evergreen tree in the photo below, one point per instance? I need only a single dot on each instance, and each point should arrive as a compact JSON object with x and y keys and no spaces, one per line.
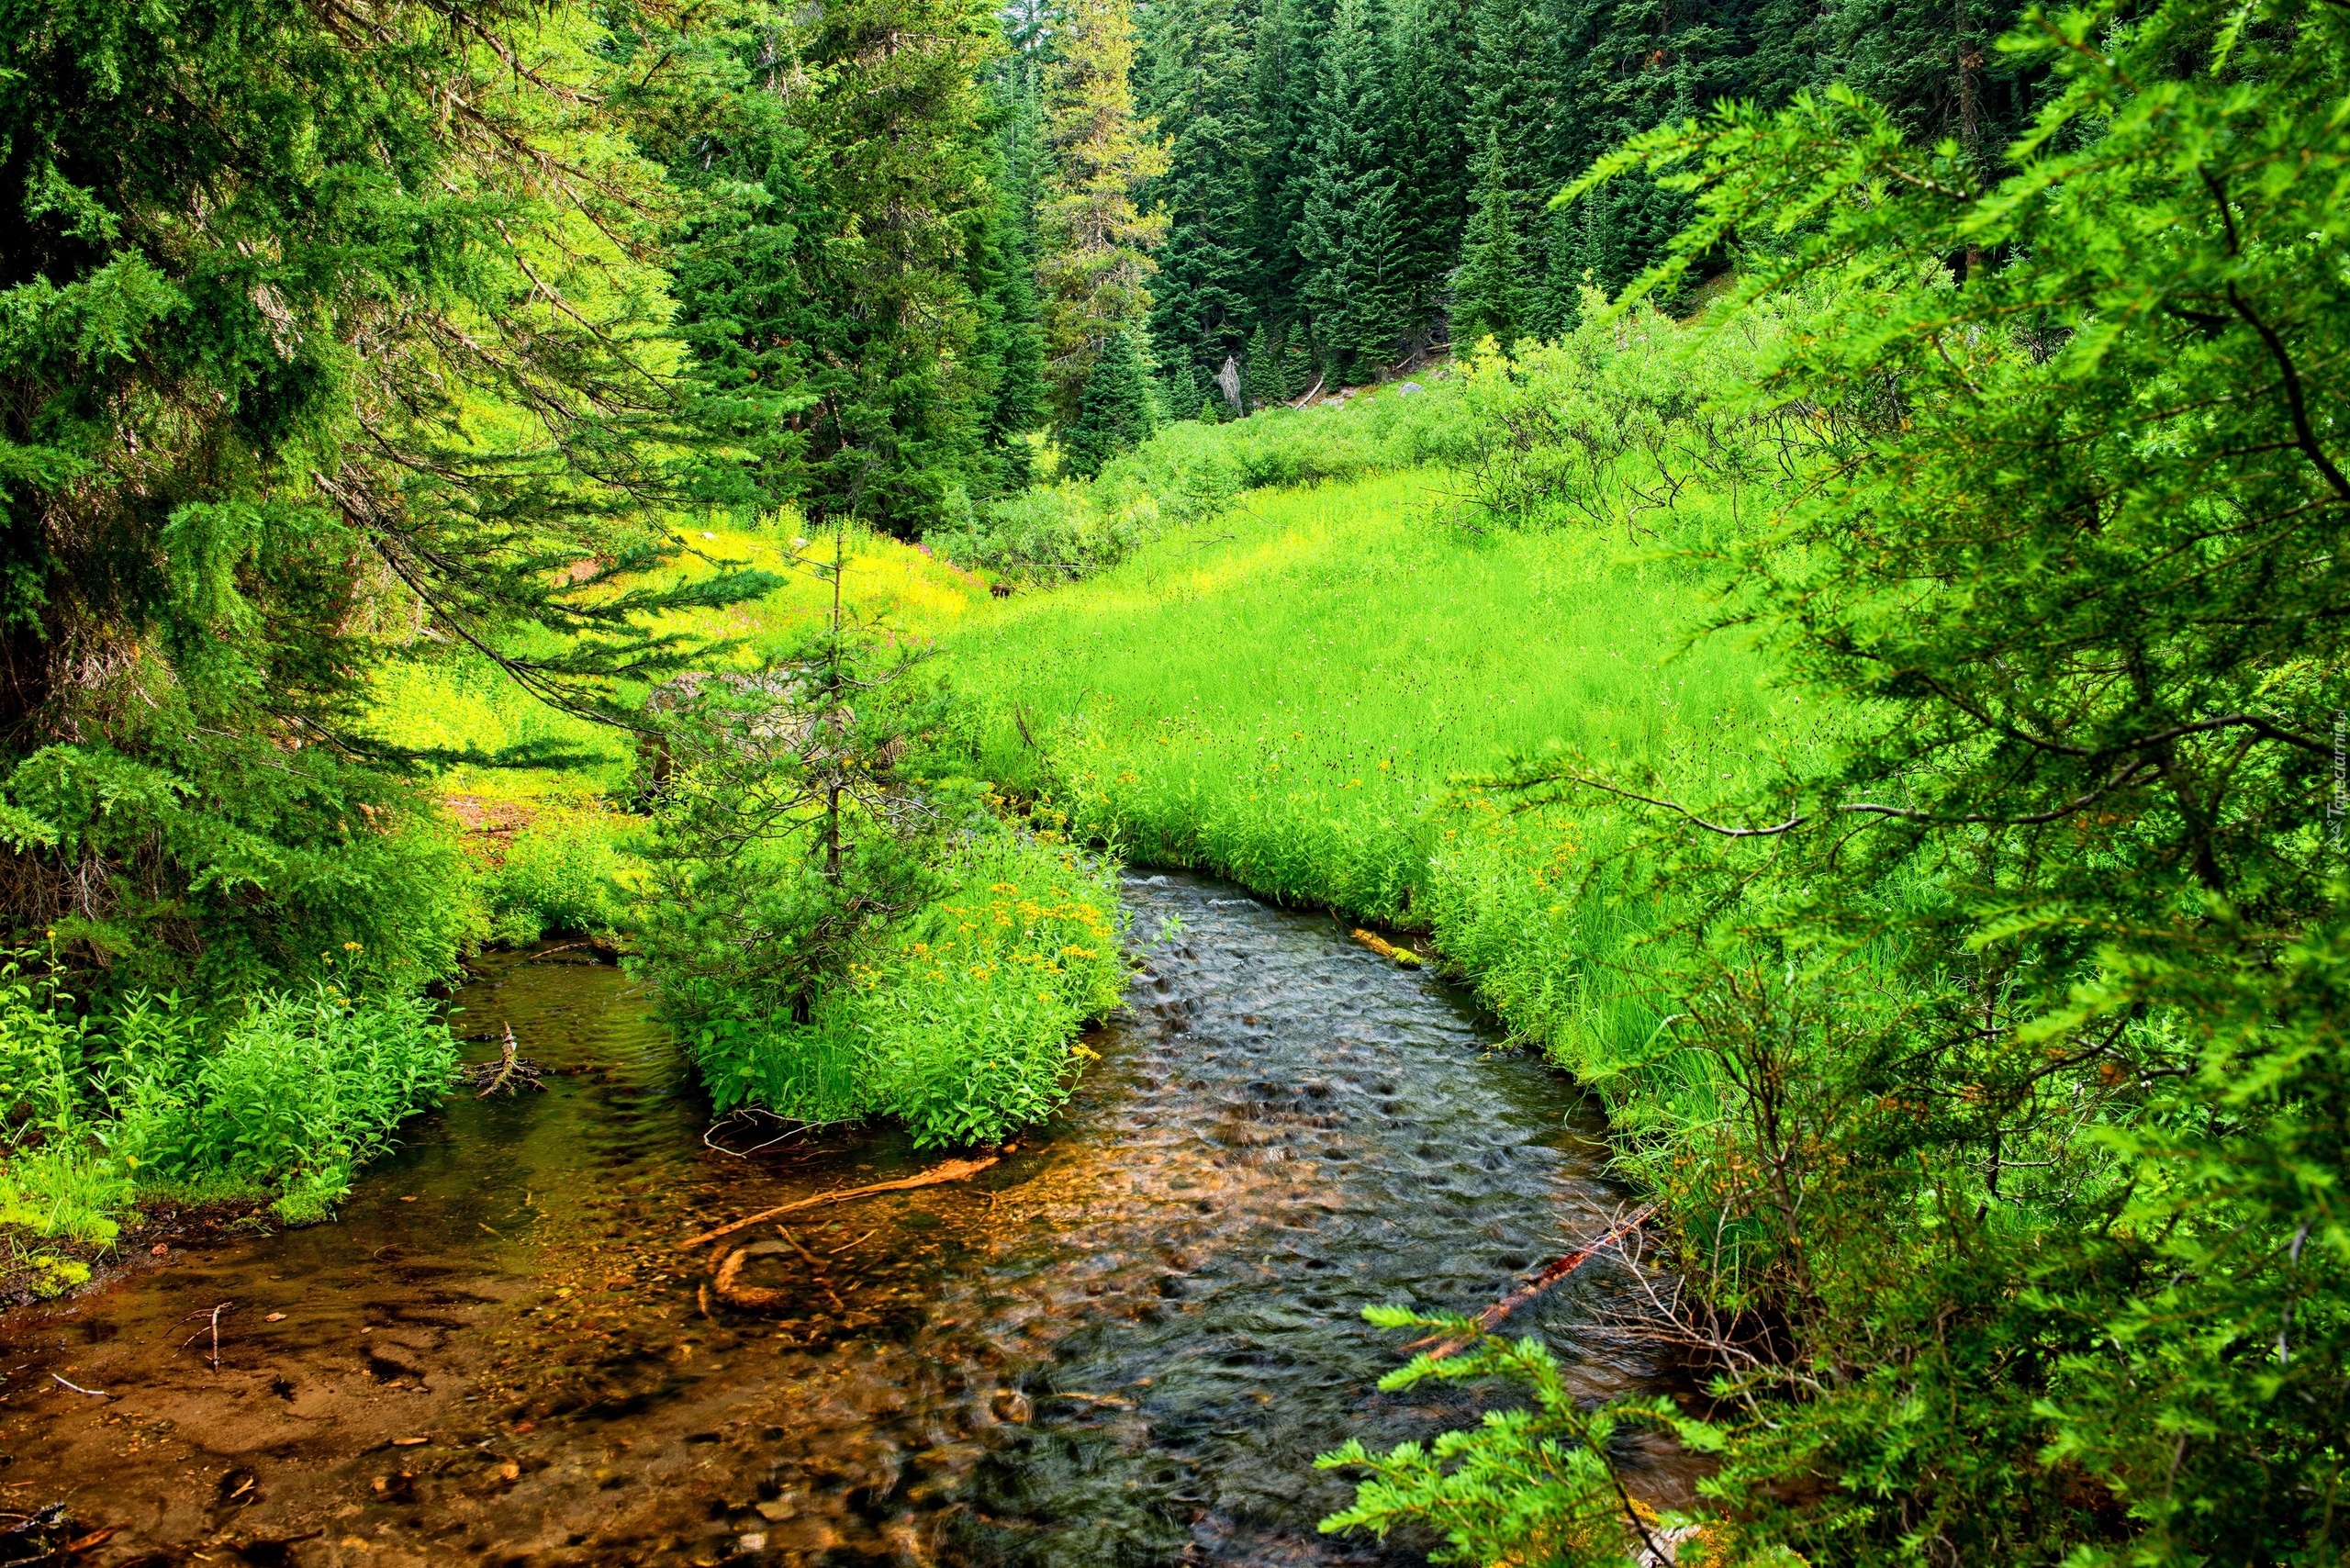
{"x":835,"y":289}
{"x":1012,"y":333}
{"x":300,"y":364}
{"x":1489,"y":293}
{"x":1115,"y":413}
{"x":1350,"y":231}
{"x":1261,"y":374}
{"x":1197,"y":53}
{"x":1281,"y":99}
{"x":1360,"y":195}
{"x":1096,"y":266}
{"x":1428,"y":146}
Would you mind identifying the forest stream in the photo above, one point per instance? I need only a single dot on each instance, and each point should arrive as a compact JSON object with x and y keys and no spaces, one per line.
{"x":1123,"y":1344}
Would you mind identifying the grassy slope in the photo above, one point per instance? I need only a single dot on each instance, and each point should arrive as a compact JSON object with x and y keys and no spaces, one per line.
{"x":1302,"y":696}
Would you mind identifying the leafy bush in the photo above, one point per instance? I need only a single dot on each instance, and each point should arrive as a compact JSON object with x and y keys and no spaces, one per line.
{"x":1610,"y":423}
{"x":283,"y":1102}
{"x":1047,"y":532}
{"x":301,"y":1091}
{"x":961,"y":1023}
{"x":562,"y":873}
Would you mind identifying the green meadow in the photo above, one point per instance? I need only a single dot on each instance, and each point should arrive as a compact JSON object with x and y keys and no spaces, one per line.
{"x":1317,"y":694}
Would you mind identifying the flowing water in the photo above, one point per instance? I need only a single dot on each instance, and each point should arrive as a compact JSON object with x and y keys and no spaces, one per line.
{"x":1124,"y":1344}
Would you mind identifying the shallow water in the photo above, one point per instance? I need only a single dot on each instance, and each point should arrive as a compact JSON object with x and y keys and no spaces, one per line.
{"x":1122,"y":1345}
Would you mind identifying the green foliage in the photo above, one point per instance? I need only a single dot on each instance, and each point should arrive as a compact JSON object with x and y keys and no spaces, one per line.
{"x":1534,"y":1485}
{"x":1046,"y":534}
{"x":958,"y":1021}
{"x":2023,"y":995}
{"x":965,"y":1026}
{"x":836,"y":288}
{"x":816,"y":922}
{"x":1611,"y":424}
{"x":563,"y":872}
{"x":300,"y":364}
{"x":784,"y":833}
{"x":1350,"y":235}
{"x":1116,"y":412}
{"x":298,"y":1094}
{"x":283,"y":1100}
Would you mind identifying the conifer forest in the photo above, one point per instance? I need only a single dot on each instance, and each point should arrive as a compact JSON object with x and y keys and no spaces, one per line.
{"x":1116,"y":783}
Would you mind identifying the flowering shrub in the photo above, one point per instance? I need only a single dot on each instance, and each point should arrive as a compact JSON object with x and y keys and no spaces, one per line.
{"x":963,"y":1022}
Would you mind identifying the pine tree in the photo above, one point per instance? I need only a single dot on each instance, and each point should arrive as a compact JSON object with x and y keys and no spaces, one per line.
{"x":1301,"y":361}
{"x":1282,"y":80}
{"x":1349,"y":233}
{"x":283,"y":385}
{"x":1012,"y":341}
{"x":850,"y":292}
{"x":1096,"y":267}
{"x":1115,"y":413}
{"x":1262,"y":373}
{"x":1182,"y":390}
{"x":1427,"y":104}
{"x":1198,"y":81}
{"x":1489,"y":291}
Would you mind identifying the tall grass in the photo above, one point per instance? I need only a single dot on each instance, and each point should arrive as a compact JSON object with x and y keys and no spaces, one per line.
{"x":1309,"y":695}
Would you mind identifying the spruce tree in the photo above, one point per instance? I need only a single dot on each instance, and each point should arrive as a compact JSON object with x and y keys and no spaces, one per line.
{"x":850,"y":293}
{"x":1198,"y":81}
{"x":1282,"y":80}
{"x":1114,"y":412}
{"x":1428,"y":104}
{"x":1182,"y":384}
{"x":1096,"y":266}
{"x":299,"y":364}
{"x":1489,"y":290}
{"x":1349,"y":233}
{"x":1011,"y":344}
{"x":1260,"y":371}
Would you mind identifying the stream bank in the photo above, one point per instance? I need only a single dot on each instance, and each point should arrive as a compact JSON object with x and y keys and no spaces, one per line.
{"x":1123,"y":1344}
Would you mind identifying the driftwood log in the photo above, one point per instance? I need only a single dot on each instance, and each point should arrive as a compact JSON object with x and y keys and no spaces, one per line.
{"x":943,"y":1171}
{"x":1494,"y":1315}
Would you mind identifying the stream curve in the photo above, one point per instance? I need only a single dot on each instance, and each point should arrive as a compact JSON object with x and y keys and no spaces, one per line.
{"x":1122,"y":1345}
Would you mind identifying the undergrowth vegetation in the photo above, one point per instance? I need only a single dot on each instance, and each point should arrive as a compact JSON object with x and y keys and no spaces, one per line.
{"x":278,"y":1103}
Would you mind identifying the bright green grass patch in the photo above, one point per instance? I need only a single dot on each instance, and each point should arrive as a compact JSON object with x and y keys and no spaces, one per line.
{"x":964,"y":1024}
{"x":459,"y":702}
{"x":1304,"y":695}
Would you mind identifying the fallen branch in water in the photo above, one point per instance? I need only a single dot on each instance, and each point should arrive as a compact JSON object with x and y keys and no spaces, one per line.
{"x":1386,"y":949}
{"x":510,"y":1073}
{"x":93,"y":1393}
{"x":728,"y":1286}
{"x":945,"y":1171}
{"x":213,"y":1317}
{"x":1494,"y":1315}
